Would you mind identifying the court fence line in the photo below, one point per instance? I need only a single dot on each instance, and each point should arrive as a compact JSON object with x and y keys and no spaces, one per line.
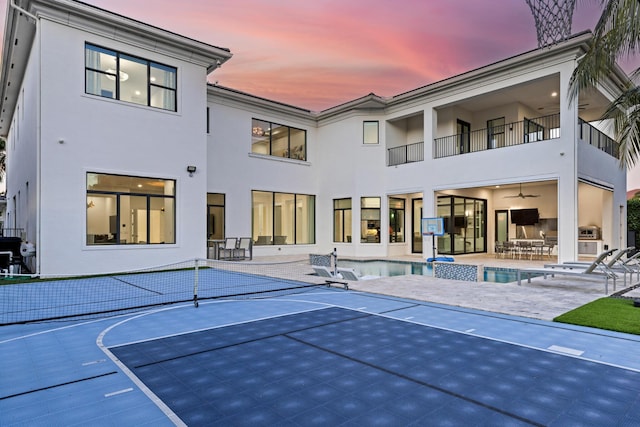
{"x":28,"y":299}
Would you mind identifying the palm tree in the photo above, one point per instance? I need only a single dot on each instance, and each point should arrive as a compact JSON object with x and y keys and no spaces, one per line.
{"x":616,"y":35}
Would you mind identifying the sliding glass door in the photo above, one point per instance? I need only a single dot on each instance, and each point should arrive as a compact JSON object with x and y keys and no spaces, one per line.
{"x":465,"y":226}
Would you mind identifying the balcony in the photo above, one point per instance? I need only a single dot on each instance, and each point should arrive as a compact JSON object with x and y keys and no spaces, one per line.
{"x":517,"y":133}
{"x":593,"y":136}
{"x":405,"y":154}
{"x":507,"y":135}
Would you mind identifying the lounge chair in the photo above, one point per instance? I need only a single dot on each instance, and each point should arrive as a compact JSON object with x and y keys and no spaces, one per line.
{"x":348,"y":273}
{"x":615,"y":264}
{"x":323,"y":271}
{"x":595,"y":269}
{"x":351,"y":274}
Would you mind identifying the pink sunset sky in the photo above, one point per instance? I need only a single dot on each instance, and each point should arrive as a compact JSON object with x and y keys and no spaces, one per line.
{"x":321,"y":53}
{"x":316,"y":54}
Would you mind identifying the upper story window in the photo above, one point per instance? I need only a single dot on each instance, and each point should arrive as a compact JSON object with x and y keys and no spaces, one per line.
{"x":116,"y":75}
{"x":370,"y":132}
{"x":272,"y":139}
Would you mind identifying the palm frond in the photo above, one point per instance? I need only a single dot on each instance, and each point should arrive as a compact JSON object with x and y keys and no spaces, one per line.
{"x":617,"y":34}
{"x":625,"y":113}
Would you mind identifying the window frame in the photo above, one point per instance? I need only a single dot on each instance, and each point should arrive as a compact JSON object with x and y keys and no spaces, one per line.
{"x":373,"y":224}
{"x":274,"y":215}
{"x":346,"y":228}
{"x":496,"y":132}
{"x":268,"y":136}
{"x":150,"y":84}
{"x":118,"y":196}
{"x":396,"y":235}
{"x":365,"y":134}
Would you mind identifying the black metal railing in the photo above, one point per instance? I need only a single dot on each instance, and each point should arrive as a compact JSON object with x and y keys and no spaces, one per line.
{"x":593,"y":136}
{"x":507,"y":135}
{"x":405,"y":154}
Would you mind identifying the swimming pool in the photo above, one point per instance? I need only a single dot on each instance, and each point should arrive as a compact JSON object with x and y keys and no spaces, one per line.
{"x":389,"y":268}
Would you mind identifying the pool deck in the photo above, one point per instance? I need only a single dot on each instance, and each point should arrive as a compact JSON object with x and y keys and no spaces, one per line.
{"x":542,"y":299}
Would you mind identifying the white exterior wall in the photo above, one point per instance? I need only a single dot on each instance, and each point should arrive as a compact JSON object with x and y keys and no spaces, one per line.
{"x":107,"y":136}
{"x":59,"y":133}
{"x":236,"y":172}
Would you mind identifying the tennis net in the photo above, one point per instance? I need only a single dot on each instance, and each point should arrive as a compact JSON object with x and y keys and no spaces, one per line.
{"x":189,"y":281}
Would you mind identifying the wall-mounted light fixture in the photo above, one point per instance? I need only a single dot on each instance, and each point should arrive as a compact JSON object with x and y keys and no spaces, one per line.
{"x":191,"y":170}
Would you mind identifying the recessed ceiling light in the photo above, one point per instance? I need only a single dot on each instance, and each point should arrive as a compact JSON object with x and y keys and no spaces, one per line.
{"x":554,"y":94}
{"x":139,"y":185}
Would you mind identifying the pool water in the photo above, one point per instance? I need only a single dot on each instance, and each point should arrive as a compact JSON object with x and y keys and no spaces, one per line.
{"x":403,"y":268}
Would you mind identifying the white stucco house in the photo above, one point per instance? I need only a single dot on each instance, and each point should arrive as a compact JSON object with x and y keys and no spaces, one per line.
{"x":121,"y":156}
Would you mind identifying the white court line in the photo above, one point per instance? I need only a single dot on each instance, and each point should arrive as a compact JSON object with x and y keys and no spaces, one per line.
{"x":115,"y":393}
{"x":146,"y":390}
{"x":94,"y":362}
{"x":566,"y":350}
{"x":224,"y":325}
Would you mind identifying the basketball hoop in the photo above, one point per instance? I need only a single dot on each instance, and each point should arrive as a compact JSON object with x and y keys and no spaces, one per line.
{"x":553,"y":19}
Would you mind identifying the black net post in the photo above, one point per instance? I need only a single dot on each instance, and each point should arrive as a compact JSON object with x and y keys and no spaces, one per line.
{"x":195,"y":285}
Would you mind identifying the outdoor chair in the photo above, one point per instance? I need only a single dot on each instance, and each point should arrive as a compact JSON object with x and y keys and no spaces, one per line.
{"x":499,"y":250}
{"x":596,"y":269}
{"x":525,"y":249}
{"x":226,"y":251}
{"x":509,"y":249}
{"x":537,"y":249}
{"x":325,"y":272}
{"x":244,"y":249}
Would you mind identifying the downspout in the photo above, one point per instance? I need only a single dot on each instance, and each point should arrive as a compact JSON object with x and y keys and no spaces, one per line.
{"x":18,"y":8}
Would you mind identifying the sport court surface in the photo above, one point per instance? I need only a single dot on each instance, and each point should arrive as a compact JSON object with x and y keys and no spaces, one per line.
{"x":321,"y":356}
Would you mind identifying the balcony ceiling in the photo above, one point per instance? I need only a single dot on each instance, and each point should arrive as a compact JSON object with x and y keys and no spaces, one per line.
{"x":537,"y":95}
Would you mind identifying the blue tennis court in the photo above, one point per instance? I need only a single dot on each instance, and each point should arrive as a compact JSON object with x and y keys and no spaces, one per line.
{"x":320,"y":356}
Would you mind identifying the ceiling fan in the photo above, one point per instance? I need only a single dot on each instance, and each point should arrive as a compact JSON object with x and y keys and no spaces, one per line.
{"x":522,"y":196}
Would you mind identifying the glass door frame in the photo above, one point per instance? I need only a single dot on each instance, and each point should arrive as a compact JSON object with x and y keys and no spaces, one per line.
{"x":496,"y":222}
{"x":457,"y":225}
{"x":417,"y":206}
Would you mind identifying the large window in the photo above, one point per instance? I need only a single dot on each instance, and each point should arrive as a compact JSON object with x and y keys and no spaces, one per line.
{"x":342,"y":220}
{"x":272,"y":139}
{"x":115,"y":75}
{"x":130,"y":210}
{"x":370,"y":219}
{"x":283,"y":218}
{"x":396,"y":220}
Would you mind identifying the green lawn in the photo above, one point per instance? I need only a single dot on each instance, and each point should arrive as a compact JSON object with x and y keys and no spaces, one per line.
{"x":614,"y":314}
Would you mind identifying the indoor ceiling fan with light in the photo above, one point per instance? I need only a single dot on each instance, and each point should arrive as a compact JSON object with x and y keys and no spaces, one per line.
{"x":521,"y":195}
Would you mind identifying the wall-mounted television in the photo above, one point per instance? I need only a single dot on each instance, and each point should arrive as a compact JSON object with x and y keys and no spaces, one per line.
{"x":458,"y":223}
{"x":525,"y":216}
